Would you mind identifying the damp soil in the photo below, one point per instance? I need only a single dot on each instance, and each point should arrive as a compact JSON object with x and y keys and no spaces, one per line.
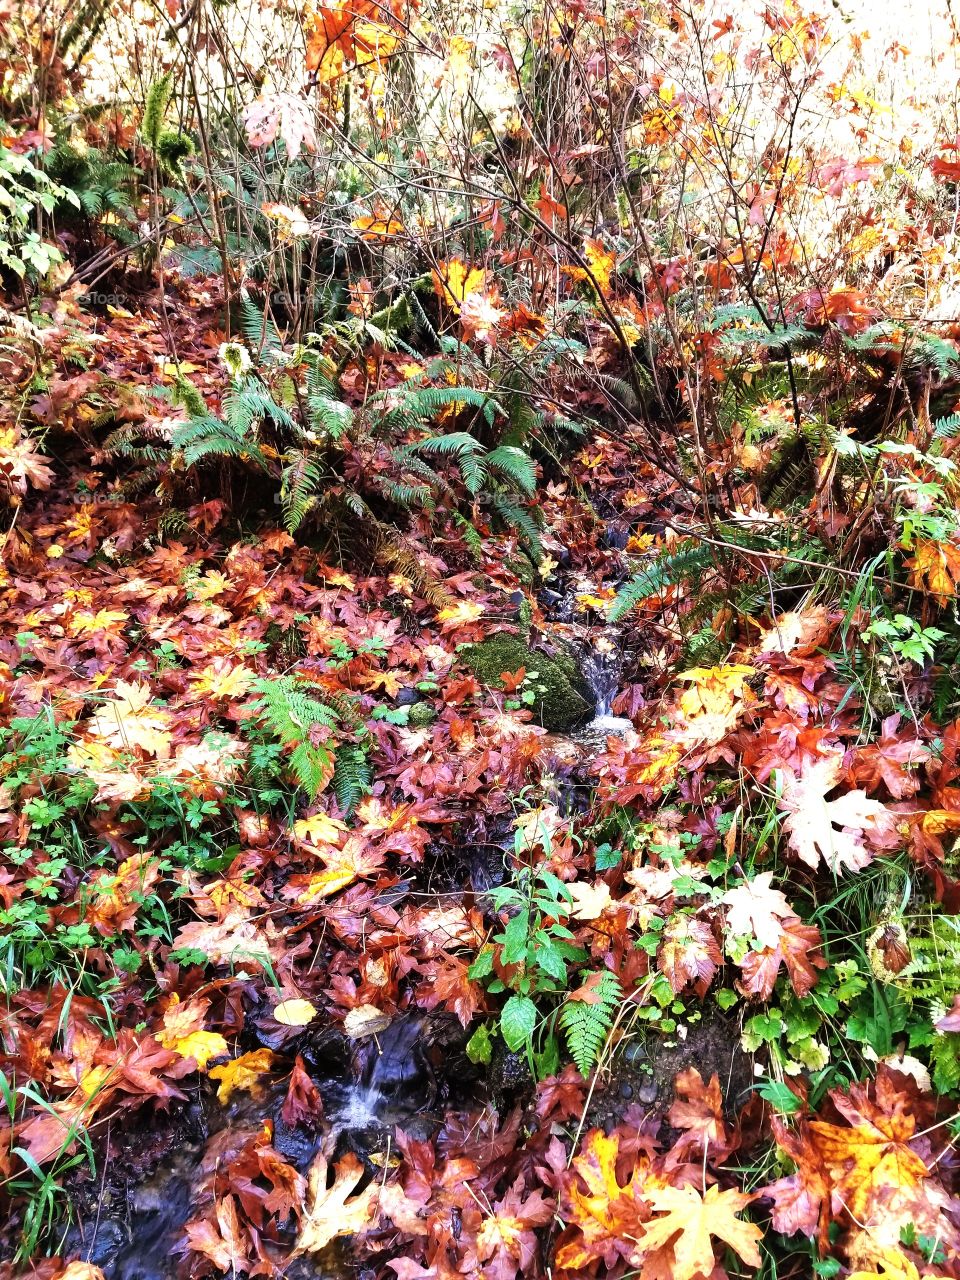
{"x":641,"y":1078}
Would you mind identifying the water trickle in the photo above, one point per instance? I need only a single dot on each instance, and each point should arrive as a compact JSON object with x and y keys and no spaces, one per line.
{"x":391,"y":1082}
{"x":602,"y":667}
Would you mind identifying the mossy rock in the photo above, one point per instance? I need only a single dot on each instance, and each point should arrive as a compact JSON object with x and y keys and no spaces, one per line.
{"x":421,"y":715}
{"x":562,"y":698}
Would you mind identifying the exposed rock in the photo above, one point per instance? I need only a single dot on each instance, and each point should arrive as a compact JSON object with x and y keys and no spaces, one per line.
{"x":562,"y":698}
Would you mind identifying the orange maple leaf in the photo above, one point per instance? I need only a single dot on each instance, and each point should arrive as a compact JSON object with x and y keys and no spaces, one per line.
{"x":605,"y":1219}
{"x":935,"y":568}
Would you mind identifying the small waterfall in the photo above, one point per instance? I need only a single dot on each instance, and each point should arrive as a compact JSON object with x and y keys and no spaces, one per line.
{"x":602,"y":666}
{"x":390,"y":1081}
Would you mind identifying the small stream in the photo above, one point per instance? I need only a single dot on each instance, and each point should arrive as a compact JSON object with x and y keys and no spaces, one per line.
{"x":368,"y":1088}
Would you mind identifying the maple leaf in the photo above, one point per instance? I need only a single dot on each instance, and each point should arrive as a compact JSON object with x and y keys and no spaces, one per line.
{"x":291,"y":117}
{"x":688,"y":954}
{"x":231,"y":941}
{"x":245,"y":1072}
{"x":376,"y":226}
{"x":796,"y":634}
{"x":835,"y":831}
{"x":78,"y":1270}
{"x":454,"y":280}
{"x":607,"y":1216}
{"x":590,"y":901}
{"x":357,"y":860}
{"x":801,"y":1198}
{"x":20,"y":464}
{"x":797,"y":950}
{"x":891,"y":1264}
{"x":687,"y":1226}
{"x":319,"y":830}
{"x":950,"y":1020}
{"x":935,"y":567}
{"x":221,"y":679}
{"x":337,"y":1210}
{"x":698,"y":1110}
{"x":755,"y":910}
{"x":291,"y":223}
{"x":715,"y":702}
{"x":128,"y":720}
{"x":870,"y":1161}
{"x":506,"y":1242}
{"x":303,"y":1104}
{"x":183,"y":1032}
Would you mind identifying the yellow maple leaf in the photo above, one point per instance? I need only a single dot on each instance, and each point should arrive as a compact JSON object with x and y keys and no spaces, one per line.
{"x":85,"y":622}
{"x":213,"y":583}
{"x":319,"y":829}
{"x":377,"y":227}
{"x":461,"y":613}
{"x":128,"y":720}
{"x":713,"y":704}
{"x":220,"y":680}
{"x":688,"y":1223}
{"x":602,"y":262}
{"x":896,"y":1266}
{"x":182,"y":1031}
{"x":455,"y":279}
{"x":245,"y":1072}
{"x":589,"y":900}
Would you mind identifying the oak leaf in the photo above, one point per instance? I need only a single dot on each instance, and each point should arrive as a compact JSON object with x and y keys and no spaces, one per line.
{"x":224,"y":1242}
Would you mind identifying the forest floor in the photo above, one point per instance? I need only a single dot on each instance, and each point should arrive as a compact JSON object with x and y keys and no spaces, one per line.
{"x":260,"y":1030}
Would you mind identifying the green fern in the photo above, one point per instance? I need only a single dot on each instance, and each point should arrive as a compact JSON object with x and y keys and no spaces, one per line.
{"x":515,"y":466}
{"x":689,"y":561}
{"x":299,"y":483}
{"x":290,"y":709}
{"x":947,"y":428}
{"x":352,"y":776}
{"x":211,"y":437}
{"x":259,"y":333}
{"x":945,"y":1061}
{"x":586,"y":1025}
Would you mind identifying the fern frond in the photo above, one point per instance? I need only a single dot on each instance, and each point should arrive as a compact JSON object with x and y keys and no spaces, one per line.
{"x":352,"y":776}
{"x":516,"y":466}
{"x":260,"y":333}
{"x":290,"y":710}
{"x":522,"y":519}
{"x":665,"y":572}
{"x":586,"y":1025}
{"x":300,"y":481}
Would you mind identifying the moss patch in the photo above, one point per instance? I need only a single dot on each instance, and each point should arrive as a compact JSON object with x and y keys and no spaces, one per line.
{"x":562,"y":698}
